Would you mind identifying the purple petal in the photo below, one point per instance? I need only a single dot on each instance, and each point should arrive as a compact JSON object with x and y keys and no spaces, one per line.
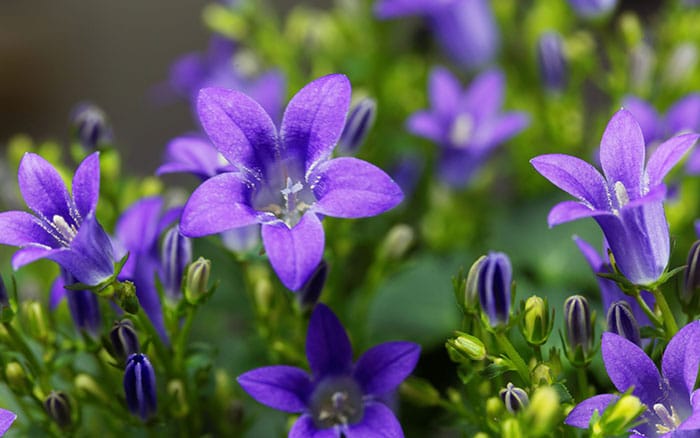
{"x":219,"y":204}
{"x":294,"y":253}
{"x":622,"y":152}
{"x":574,"y":176}
{"x":281,"y":387}
{"x":484,"y":97}
{"x":42,"y":188}
{"x":20,"y":228}
{"x":269,"y":91}
{"x":500,"y":129}
{"x":191,"y":154}
{"x":443,"y":90}
{"x":424,"y":124}
{"x":581,"y":415}
{"x":667,"y":155}
{"x":684,"y":115}
{"x":29,"y":254}
{"x":239,"y":128}
{"x":136,"y":229}
{"x":314,"y":120}
{"x":567,"y":211}
{"x":400,"y":8}
{"x":304,"y":427}
{"x":351,"y":188}
{"x":691,"y":423}
{"x":6,"y":420}
{"x":383,"y":367}
{"x":458,"y":166}
{"x":681,"y":360}
{"x":86,"y":184}
{"x":57,"y":293}
{"x":647,"y":117}
{"x":377,"y":422}
{"x":143,"y":276}
{"x":328,"y":348}
{"x":627,"y":365}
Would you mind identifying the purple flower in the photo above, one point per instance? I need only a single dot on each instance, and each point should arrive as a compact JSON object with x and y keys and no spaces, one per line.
{"x":627,"y":202}
{"x":6,"y":420}
{"x":468,"y":124}
{"x":175,"y":255}
{"x":84,"y":305}
{"x":216,"y":68}
{"x":137,"y":231}
{"x":610,"y":292}
{"x":592,"y":8}
{"x":465,"y":28}
{"x":672,"y":404}
{"x":284,"y":180}
{"x":552,"y":63}
{"x":193,"y":154}
{"x":140,"y":386}
{"x":339,"y":397}
{"x":63,"y":228}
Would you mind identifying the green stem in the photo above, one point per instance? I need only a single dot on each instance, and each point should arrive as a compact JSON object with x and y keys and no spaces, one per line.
{"x":182,"y":339}
{"x":21,"y":345}
{"x":669,"y":320}
{"x":538,"y":353}
{"x":514,"y":356}
{"x":582,"y":379}
{"x":649,"y":313}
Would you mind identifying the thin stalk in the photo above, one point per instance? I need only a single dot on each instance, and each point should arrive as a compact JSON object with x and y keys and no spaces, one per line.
{"x":514,"y":356}
{"x":582,"y":379}
{"x":649,"y":313}
{"x":668,"y":318}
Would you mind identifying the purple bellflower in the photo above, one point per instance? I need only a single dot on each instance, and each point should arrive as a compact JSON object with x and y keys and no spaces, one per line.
{"x":468,"y":125}
{"x":216,"y":68}
{"x":6,"y":420}
{"x":466,"y":29}
{"x":610,"y":292}
{"x":672,"y":404}
{"x":339,"y":397}
{"x":627,"y":202}
{"x":592,"y":8}
{"x":137,"y":233}
{"x":63,"y":227}
{"x":286,"y":179}
{"x":84,"y":305}
{"x":193,"y":154}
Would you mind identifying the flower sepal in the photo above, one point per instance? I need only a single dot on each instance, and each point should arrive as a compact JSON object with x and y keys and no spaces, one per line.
{"x":618,"y":418}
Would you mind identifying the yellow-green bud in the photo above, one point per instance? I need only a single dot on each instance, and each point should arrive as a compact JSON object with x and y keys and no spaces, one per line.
{"x":536,"y":323}
{"x":544,"y":411}
{"x":471,"y":293}
{"x":87,"y":387}
{"x":397,"y":241}
{"x":177,"y":399}
{"x":464,"y":348}
{"x":197,"y":280}
{"x":16,"y":377}
{"x":511,"y":428}
{"x":35,"y":321}
{"x":494,"y":408}
{"x":619,"y":416}
{"x":631,"y":29}
{"x":125,"y":296}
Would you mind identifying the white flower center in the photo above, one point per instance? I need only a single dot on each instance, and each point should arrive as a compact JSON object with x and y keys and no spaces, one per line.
{"x":289,"y":203}
{"x":461,"y":130}
{"x":669,"y":421}
{"x":66,"y":231}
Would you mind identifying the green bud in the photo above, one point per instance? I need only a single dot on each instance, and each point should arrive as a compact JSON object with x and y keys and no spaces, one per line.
{"x":537,"y":322}
{"x":494,"y":407}
{"x":420,"y":391}
{"x":36,"y":321}
{"x":464,"y":348}
{"x":397,"y":241}
{"x":16,"y":377}
{"x":125,"y":296}
{"x":57,"y":406}
{"x":471,"y":293}
{"x":631,"y":29}
{"x":197,"y":280}
{"x":544,"y":411}
{"x":511,"y":428}
{"x":618,"y":417}
{"x":177,"y":399}
{"x":542,"y":375}
{"x":87,"y":387}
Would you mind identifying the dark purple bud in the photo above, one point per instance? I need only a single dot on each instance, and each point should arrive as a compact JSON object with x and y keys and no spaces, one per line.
{"x":690,"y":293}
{"x":357,"y":126}
{"x":550,"y":56}
{"x":406,"y":172}
{"x":176,"y":254}
{"x":125,"y":341}
{"x":579,"y":328}
{"x":90,"y":126}
{"x":621,"y":321}
{"x":514,"y":398}
{"x":140,"y":386}
{"x":311,"y":291}
{"x":57,"y":406}
{"x":84,"y":306}
{"x":4,"y":297}
{"x":493,"y":284}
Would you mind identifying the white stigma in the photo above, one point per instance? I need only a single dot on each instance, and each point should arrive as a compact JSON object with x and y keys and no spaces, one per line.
{"x":461,"y":130}
{"x":67,"y":231}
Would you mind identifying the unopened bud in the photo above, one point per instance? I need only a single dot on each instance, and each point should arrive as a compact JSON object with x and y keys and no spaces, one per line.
{"x":398,"y":241}
{"x":618,"y":417}
{"x":494,"y":407}
{"x":87,"y":387}
{"x":36,"y":322}
{"x":690,"y":292}
{"x":197,"y":280}
{"x":514,"y":398}
{"x":420,"y":391}
{"x":125,"y":341}
{"x":464,"y":348}
{"x":550,"y":55}
{"x":16,"y":377}
{"x":311,"y":291}
{"x":58,"y":407}
{"x":177,"y":398}
{"x":125,"y":296}
{"x":6,"y":311}
{"x":176,"y":254}
{"x":90,"y":126}
{"x":140,"y":386}
{"x":471,"y":293}
{"x":579,"y":329}
{"x":357,"y":126}
{"x":494,"y":286}
{"x":510,"y":428}
{"x":621,"y":321}
{"x":537,"y":321}
{"x":544,"y":411}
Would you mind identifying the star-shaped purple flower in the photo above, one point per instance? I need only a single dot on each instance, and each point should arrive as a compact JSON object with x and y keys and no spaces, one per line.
{"x":284,"y":180}
{"x":673,"y":406}
{"x":468,"y":124}
{"x":339,"y":397}
{"x":63,"y":227}
{"x":6,"y":420}
{"x":466,"y":29}
{"x":627,"y":202}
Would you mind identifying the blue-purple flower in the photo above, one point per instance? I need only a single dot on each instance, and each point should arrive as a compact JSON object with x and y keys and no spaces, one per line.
{"x":466,"y":29}
{"x":6,"y":420}
{"x":495,"y":276}
{"x":468,"y":125}
{"x":140,"y":386}
{"x":284,"y":179}
{"x":627,"y":202}
{"x":84,"y":305}
{"x":63,"y":227}
{"x":672,"y":404}
{"x":339,"y":397}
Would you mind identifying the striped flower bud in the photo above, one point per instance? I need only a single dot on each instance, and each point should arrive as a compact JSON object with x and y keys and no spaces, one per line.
{"x":311,"y":291}
{"x":90,"y":126}
{"x":57,"y":406}
{"x":621,"y":321}
{"x":357,"y":126}
{"x":690,"y":292}
{"x":514,"y":398}
{"x":175,"y":255}
{"x":140,"y":386}
{"x":552,"y":63}
{"x":197,"y":280}
{"x":579,"y":329}
{"x":465,"y":348}
{"x":125,"y":341}
{"x":493,"y":285}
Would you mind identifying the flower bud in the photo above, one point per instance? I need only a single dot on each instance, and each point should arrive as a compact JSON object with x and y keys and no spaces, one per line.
{"x":87,"y":387}
{"x":90,"y":126}
{"x":471,"y":293}
{"x":36,"y":322}
{"x":84,"y":307}
{"x":464,"y":348}
{"x":178,"y":400}
{"x":618,"y":417}
{"x":311,"y":291}
{"x":494,"y":285}
{"x":197,"y":280}
{"x":6,"y":311}
{"x":510,"y":428}
{"x":544,"y":411}
{"x":537,"y":321}
{"x":690,"y":292}
{"x":420,"y":391}
{"x":514,"y":398}
{"x":125,"y":341}
{"x":125,"y":296}
{"x":550,"y":56}
{"x":621,"y":321}
{"x":357,"y":126}
{"x":397,"y":241}
{"x":140,"y":386}
{"x":16,"y":377}
{"x":176,"y":254}
{"x":494,"y":407}
{"x":57,"y":406}
{"x":579,"y":329}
